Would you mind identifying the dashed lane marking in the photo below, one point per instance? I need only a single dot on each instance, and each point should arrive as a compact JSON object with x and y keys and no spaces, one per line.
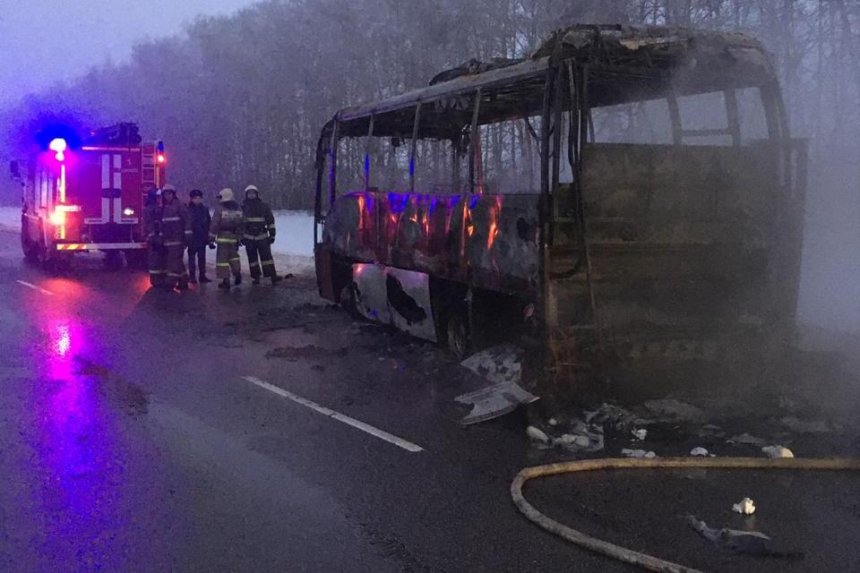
{"x":357,"y":424}
{"x":35,"y":287}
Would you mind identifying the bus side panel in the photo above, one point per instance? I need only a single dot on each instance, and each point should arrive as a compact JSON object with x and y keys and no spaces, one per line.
{"x":394,"y":296}
{"x":488,"y":241}
{"x":371,"y":296}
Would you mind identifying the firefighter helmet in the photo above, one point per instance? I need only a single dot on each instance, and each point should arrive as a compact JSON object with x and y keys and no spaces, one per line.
{"x":195,"y":193}
{"x":225,"y":195}
{"x":251,"y":189}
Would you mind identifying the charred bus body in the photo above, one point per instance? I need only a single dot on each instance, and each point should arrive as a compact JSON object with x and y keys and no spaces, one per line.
{"x":642,"y":204}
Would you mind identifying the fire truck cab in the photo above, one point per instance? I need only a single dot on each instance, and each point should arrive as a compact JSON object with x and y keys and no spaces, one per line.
{"x":87,"y":194}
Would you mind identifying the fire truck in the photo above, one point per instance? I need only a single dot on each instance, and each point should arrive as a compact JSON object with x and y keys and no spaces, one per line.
{"x":87,"y":194}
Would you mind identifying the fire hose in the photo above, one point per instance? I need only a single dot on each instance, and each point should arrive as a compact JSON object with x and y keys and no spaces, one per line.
{"x":636,"y":558}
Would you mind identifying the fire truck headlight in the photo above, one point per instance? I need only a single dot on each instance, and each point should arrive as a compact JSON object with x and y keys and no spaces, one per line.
{"x":58,"y":218}
{"x":127,"y":212}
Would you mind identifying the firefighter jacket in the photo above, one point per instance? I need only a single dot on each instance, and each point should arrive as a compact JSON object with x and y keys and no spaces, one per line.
{"x":227,"y":224}
{"x":152,"y":223}
{"x":259,"y":220}
{"x":199,"y":221}
{"x":174,"y":223}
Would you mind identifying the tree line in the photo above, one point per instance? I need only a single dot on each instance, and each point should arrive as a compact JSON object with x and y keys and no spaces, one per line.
{"x":241,"y":99}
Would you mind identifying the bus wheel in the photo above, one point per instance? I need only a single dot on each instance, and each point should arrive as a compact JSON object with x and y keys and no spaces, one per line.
{"x":347,"y":299}
{"x":458,"y":335}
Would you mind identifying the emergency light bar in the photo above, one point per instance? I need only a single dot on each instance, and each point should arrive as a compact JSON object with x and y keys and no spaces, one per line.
{"x":58,"y":146}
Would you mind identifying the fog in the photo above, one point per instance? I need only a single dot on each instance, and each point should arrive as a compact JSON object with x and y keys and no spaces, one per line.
{"x":242,"y":98}
{"x":48,"y":41}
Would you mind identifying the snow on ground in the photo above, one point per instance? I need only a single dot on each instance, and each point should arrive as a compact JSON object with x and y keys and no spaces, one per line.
{"x":293,"y":248}
{"x":10,"y":218}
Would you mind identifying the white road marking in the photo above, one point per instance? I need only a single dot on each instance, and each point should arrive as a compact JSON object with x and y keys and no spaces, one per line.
{"x":35,"y":287}
{"x":376,"y":432}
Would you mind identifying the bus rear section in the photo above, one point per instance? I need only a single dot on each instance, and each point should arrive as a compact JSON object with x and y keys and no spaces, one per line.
{"x":89,"y":196}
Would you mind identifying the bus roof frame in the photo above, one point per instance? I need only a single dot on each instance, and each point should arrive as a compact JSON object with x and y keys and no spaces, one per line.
{"x":625,"y":64}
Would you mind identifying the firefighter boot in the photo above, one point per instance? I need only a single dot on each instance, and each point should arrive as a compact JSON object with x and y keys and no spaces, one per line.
{"x":276,"y":279}
{"x":225,"y":284}
{"x":204,"y":279}
{"x":237,"y":279}
{"x":255,"y":280}
{"x":192,"y":277}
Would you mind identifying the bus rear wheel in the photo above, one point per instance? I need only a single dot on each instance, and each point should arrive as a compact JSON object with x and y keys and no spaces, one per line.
{"x":459,"y":342}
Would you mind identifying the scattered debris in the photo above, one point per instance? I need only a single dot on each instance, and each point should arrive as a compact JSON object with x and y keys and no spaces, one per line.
{"x":777,"y":452}
{"x":616,"y":416}
{"x":502,"y":366}
{"x":746,"y":506}
{"x":640,"y":434}
{"x":640,"y":454}
{"x":700,"y":452}
{"x":795,"y":424}
{"x":671,"y":410}
{"x":746,"y":439}
{"x":493,"y":401}
{"x":499,"y":364}
{"x":572,"y":440}
{"x":581,"y":437}
{"x":537,"y":435}
{"x":745,"y":542}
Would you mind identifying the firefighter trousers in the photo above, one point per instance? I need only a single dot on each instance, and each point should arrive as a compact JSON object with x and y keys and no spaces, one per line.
{"x":260,"y":257}
{"x":197,"y":259}
{"x":156,"y":257}
{"x":176,"y":273}
{"x":227,"y":258}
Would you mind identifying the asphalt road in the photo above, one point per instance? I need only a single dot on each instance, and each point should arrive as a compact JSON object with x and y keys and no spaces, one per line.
{"x":130,"y":439}
{"x":149,"y":431}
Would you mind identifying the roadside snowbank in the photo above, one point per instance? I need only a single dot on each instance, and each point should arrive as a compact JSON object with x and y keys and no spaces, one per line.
{"x":293,"y":248}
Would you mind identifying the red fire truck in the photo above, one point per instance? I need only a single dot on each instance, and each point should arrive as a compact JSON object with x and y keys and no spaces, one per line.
{"x":87,"y":194}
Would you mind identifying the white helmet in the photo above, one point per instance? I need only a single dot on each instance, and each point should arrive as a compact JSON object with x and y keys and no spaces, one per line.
{"x":251,"y":189}
{"x":225,"y":195}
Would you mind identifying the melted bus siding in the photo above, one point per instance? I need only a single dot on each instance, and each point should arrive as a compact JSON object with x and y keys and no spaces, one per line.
{"x":623,"y":256}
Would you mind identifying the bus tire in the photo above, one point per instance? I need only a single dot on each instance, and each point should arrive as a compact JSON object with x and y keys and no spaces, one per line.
{"x":457,"y":334}
{"x":347,"y":299}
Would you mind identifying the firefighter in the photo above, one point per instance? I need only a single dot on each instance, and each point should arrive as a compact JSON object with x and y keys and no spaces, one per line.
{"x":226,"y":230}
{"x":177,"y":233}
{"x":156,"y":252}
{"x":199,"y":222}
{"x":259,"y":235}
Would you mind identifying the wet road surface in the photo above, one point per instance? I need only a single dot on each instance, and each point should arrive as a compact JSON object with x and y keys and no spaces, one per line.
{"x":262,"y":430}
{"x":130,"y":439}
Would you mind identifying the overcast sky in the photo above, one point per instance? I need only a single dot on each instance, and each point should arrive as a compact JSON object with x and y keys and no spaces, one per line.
{"x":42,"y":41}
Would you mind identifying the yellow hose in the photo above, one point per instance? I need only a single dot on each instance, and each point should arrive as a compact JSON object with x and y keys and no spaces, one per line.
{"x":634,"y":557}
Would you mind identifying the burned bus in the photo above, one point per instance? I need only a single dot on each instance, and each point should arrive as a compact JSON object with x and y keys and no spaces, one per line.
{"x":631,"y":193}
